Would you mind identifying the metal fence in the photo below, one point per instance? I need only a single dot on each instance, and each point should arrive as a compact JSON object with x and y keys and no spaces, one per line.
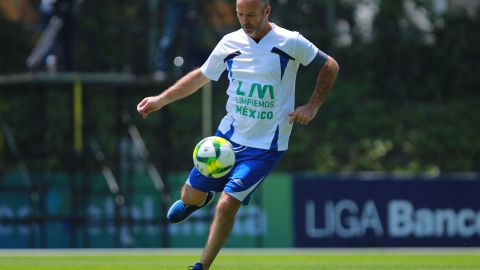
{"x":74,"y":154}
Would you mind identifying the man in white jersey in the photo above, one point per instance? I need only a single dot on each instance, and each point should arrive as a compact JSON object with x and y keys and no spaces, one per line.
{"x":262,"y":61}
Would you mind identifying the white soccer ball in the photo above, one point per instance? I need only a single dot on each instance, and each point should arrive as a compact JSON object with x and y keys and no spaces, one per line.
{"x":214,"y":157}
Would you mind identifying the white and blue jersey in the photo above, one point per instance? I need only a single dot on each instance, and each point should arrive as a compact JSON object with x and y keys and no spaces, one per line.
{"x":261,"y":92}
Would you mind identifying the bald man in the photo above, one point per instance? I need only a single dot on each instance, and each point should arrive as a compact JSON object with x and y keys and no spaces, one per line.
{"x":262,"y":60}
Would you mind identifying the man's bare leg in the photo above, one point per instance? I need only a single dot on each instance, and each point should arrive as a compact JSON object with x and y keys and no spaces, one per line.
{"x":193,"y":196}
{"x":220,"y":229}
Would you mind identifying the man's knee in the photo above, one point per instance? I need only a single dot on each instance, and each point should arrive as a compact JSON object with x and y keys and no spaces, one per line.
{"x":227,"y":206}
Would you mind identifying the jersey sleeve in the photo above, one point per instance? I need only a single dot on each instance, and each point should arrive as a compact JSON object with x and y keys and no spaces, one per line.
{"x":214,"y":66}
{"x":306,"y":51}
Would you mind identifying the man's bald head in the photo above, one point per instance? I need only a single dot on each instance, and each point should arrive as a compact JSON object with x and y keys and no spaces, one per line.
{"x":263,"y":3}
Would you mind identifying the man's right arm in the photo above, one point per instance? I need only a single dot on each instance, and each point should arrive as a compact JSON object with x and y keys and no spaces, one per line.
{"x":184,"y":87}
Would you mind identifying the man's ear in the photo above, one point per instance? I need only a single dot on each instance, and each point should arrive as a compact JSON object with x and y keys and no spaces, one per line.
{"x":268,"y":9}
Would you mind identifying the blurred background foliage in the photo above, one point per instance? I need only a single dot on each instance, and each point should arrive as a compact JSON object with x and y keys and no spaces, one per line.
{"x":406,"y":99}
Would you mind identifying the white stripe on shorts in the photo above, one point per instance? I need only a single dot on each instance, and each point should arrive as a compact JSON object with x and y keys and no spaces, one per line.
{"x":243,"y":194}
{"x":239,"y":149}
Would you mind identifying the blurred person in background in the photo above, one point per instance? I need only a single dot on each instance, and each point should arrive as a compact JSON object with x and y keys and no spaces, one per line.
{"x":221,"y":17}
{"x":55,"y":45}
{"x":18,"y":10}
{"x":262,"y":60}
{"x":179,"y":15}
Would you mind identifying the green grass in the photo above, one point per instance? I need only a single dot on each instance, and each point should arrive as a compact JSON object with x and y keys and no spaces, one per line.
{"x":245,"y":259}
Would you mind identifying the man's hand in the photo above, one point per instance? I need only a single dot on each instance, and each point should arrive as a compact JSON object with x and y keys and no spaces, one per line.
{"x":148,"y":105}
{"x":303,"y":114}
{"x":325,"y":80}
{"x":186,"y":86}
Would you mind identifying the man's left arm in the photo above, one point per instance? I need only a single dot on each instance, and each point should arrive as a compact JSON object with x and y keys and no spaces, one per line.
{"x":325,"y":80}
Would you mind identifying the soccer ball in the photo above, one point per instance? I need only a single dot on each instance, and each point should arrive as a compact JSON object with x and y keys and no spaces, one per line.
{"x":214,"y":157}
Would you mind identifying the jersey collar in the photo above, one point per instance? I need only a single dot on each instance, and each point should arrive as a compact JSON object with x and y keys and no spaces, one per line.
{"x":252,"y":41}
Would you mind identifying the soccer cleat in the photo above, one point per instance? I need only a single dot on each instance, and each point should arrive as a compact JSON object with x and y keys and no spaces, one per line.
{"x":197,"y":266}
{"x":179,"y":212}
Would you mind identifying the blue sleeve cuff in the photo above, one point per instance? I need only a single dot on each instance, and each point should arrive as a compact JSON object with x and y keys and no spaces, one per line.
{"x":320,"y":59}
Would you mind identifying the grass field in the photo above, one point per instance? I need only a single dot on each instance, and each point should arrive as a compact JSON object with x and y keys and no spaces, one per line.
{"x":251,"y":259}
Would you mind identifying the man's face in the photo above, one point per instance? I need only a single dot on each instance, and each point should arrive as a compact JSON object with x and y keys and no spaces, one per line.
{"x":253,"y":16}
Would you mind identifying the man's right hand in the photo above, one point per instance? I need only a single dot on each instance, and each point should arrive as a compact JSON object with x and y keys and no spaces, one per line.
{"x":186,"y":86}
{"x":148,"y":105}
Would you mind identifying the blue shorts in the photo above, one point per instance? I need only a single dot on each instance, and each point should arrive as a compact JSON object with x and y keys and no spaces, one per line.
{"x":252,"y":165}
